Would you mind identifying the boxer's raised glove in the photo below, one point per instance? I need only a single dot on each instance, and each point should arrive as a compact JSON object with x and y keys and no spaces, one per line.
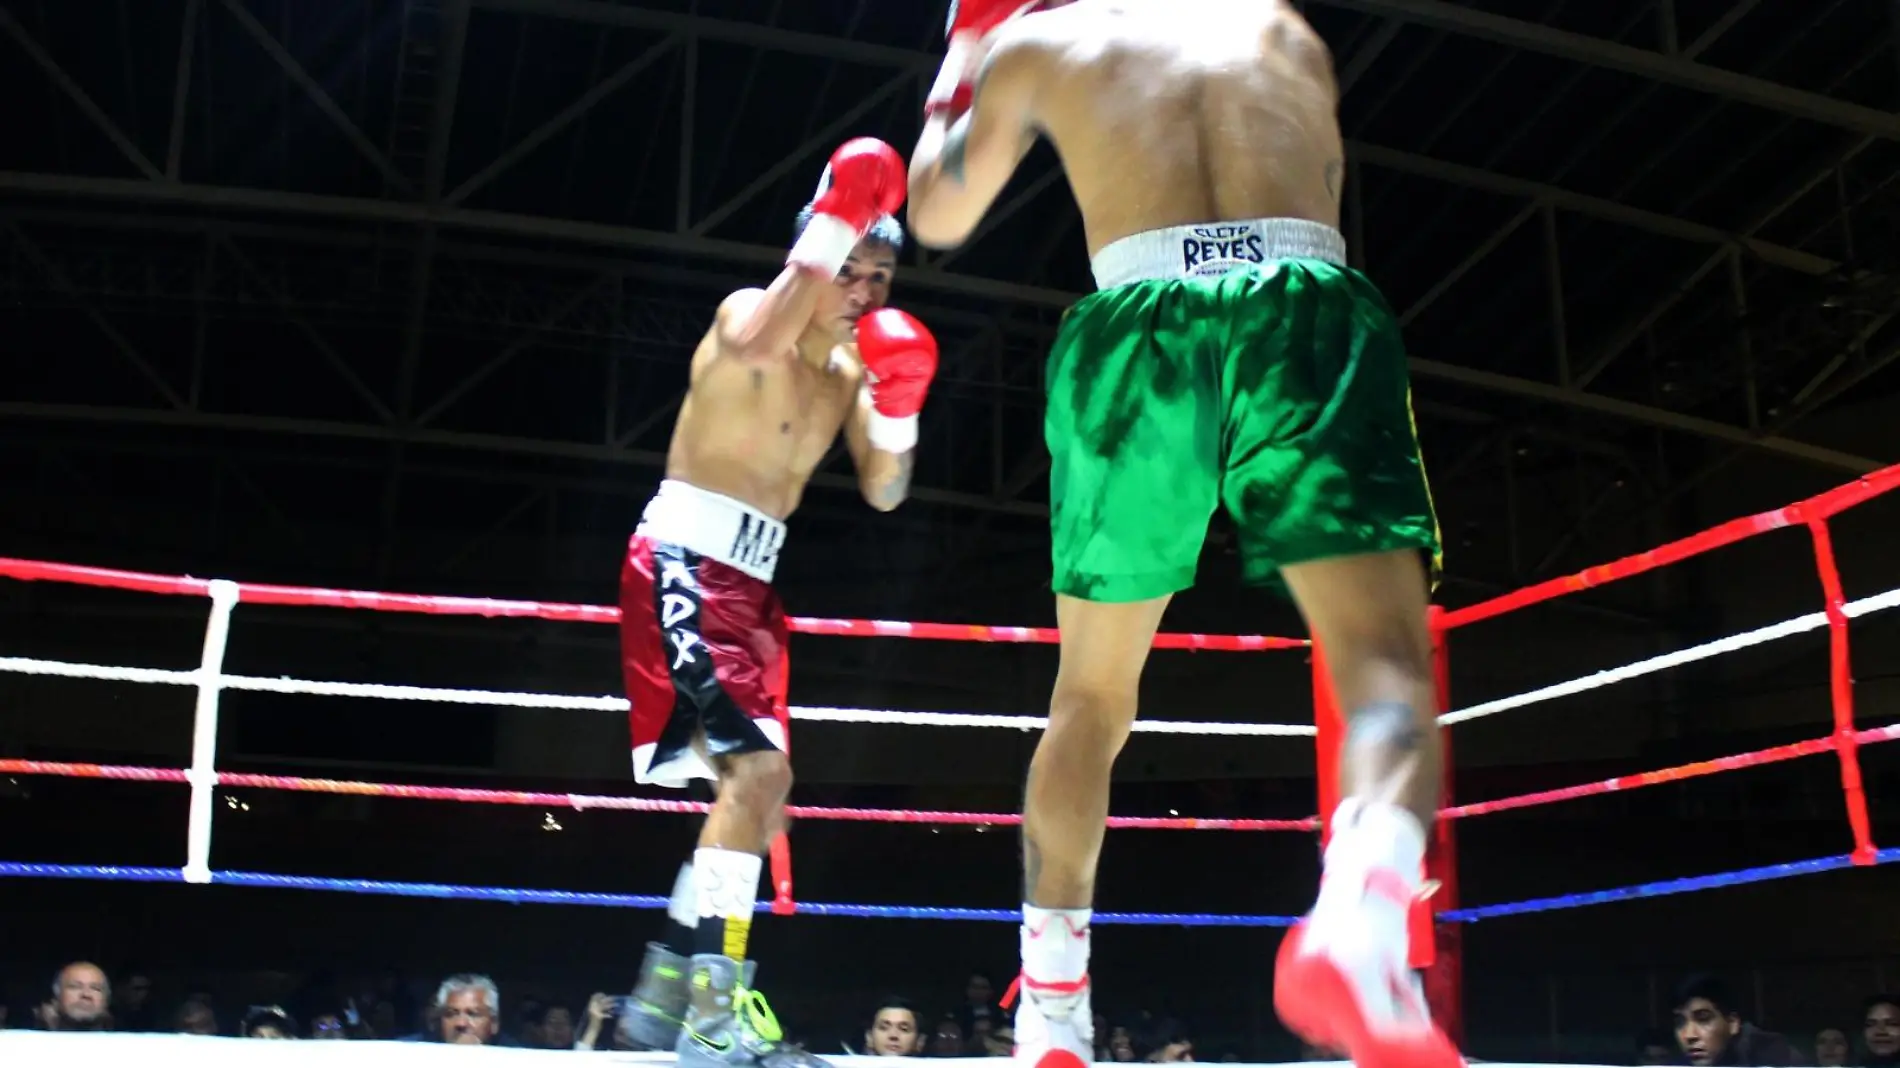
{"x":865,"y":181}
{"x":970,"y":22}
{"x":900,"y":359}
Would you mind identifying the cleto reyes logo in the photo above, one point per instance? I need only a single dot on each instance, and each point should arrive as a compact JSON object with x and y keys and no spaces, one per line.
{"x":1207,"y":246}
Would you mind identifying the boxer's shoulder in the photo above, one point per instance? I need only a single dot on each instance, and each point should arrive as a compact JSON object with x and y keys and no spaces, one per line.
{"x":738,"y":304}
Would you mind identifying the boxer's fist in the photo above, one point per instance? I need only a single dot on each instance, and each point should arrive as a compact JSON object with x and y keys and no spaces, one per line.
{"x":865,"y":180}
{"x":970,"y":22}
{"x":900,"y":359}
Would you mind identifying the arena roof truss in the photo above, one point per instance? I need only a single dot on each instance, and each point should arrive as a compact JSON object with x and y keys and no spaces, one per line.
{"x":448,"y":243}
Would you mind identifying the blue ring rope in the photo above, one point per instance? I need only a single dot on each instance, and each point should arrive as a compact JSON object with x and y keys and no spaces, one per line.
{"x":1745,"y":876}
{"x":568,"y":897}
{"x":1663,"y":888}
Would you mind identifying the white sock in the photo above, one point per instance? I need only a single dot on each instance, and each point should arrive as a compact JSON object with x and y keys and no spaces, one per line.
{"x":1055,"y":944}
{"x":1371,"y":836}
{"x":683,"y":907}
{"x":726,"y":883}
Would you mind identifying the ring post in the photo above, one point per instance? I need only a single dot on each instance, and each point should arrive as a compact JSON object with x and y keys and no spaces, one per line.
{"x":1444,"y":976}
{"x":783,"y":904}
{"x":203,"y":774}
{"x":1841,"y":689}
{"x":1330,"y":729}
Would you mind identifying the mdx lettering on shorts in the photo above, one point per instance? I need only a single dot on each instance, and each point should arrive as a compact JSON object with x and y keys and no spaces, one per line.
{"x":1209,"y":250}
{"x":757,"y":543}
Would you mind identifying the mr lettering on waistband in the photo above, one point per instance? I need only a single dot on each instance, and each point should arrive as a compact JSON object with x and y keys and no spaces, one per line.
{"x":757,"y":543}
{"x":1215,"y":249}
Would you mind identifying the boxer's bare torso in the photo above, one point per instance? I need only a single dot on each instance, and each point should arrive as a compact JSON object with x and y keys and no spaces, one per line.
{"x":755,"y":428}
{"x":1172,"y":112}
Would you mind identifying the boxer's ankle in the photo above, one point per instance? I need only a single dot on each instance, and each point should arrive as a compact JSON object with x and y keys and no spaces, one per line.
{"x":1055,"y":947}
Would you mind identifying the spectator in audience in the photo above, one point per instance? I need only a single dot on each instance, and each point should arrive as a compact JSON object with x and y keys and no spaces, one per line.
{"x":600,"y":1009}
{"x":1831,"y":1048}
{"x":947,"y":1039}
{"x":329,"y":1023}
{"x":1653,"y":1046}
{"x":132,"y":1008}
{"x":80,"y":996}
{"x":1880,"y":1030}
{"x":979,"y":1002}
{"x":893,"y":1031}
{"x":467,"y":1012}
{"x":557,"y":1027}
{"x":267,"y":1021}
{"x":1121,"y":1045}
{"x":196,"y":1018}
{"x":1710,"y":1030}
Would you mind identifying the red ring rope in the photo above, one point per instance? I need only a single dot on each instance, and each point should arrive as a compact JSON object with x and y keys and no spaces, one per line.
{"x":623,"y":804}
{"x":263,"y":593}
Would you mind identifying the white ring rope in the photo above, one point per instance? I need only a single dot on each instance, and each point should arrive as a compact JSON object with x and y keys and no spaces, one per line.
{"x":1799,"y":625}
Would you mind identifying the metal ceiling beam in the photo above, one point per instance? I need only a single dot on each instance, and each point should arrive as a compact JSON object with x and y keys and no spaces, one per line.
{"x":318,"y":96}
{"x":544,"y":229}
{"x":532,"y":227}
{"x":491,"y":443}
{"x":1641,"y":62}
{"x":1583,"y":204}
{"x":74,"y":93}
{"x":728,"y":31}
{"x":1437,"y":14}
{"x":1640,"y":413}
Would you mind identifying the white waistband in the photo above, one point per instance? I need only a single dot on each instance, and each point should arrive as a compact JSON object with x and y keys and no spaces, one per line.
{"x":714,"y":526}
{"x":1202,"y":250}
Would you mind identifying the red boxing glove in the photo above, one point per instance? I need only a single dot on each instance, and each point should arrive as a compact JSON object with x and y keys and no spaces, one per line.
{"x":865,"y":181}
{"x":900,"y":359}
{"x":970,"y":22}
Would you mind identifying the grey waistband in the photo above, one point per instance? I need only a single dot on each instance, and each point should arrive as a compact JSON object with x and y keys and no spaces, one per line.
{"x":1203,"y":250}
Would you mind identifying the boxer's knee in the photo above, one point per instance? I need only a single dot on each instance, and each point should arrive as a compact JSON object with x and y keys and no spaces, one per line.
{"x":1092,"y":722}
{"x":757,"y":782}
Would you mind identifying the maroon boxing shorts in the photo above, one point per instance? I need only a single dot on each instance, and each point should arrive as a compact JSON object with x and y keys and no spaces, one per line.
{"x":702,"y":634}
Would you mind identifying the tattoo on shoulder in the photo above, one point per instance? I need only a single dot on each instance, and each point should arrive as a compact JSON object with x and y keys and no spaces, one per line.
{"x":1335,"y":177}
{"x":891,"y":492}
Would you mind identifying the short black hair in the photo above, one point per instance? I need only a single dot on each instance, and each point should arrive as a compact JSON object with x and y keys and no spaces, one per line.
{"x":885,"y":231}
{"x":1709,"y":988}
{"x":893,"y":1001}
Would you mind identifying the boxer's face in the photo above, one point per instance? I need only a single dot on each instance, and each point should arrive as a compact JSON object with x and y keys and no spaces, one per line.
{"x":862,"y":286}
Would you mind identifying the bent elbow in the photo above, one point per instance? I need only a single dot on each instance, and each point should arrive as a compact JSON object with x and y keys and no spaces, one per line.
{"x":936,"y":230}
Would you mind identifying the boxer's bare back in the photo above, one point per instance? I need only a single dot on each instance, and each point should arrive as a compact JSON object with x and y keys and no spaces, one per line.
{"x":755,"y":425}
{"x":1164,"y":112}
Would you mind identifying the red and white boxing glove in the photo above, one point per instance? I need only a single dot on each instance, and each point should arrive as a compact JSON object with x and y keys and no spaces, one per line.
{"x":865,"y":181}
{"x":970,"y":22}
{"x":900,"y":359}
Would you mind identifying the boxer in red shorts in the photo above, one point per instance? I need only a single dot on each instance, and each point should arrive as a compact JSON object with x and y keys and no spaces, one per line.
{"x":782,"y":371}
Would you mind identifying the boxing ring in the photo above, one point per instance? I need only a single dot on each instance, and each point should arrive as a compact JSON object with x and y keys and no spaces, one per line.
{"x":1437,"y":918}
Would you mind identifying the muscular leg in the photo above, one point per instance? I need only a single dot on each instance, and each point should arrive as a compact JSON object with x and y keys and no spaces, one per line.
{"x":749,"y":812}
{"x":1341,"y":979}
{"x":1104,"y":648}
{"x":1368,"y":614}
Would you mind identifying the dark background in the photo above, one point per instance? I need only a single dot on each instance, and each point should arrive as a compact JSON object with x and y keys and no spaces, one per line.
{"x":399,"y":295}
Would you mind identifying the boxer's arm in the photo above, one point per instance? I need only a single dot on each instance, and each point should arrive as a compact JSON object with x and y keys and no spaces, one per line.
{"x":766,"y":323}
{"x":962,"y":164}
{"x":883,"y":477}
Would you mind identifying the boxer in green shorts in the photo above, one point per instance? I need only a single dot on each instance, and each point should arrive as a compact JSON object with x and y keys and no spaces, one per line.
{"x":1277,"y":391}
{"x":1231,"y":359}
